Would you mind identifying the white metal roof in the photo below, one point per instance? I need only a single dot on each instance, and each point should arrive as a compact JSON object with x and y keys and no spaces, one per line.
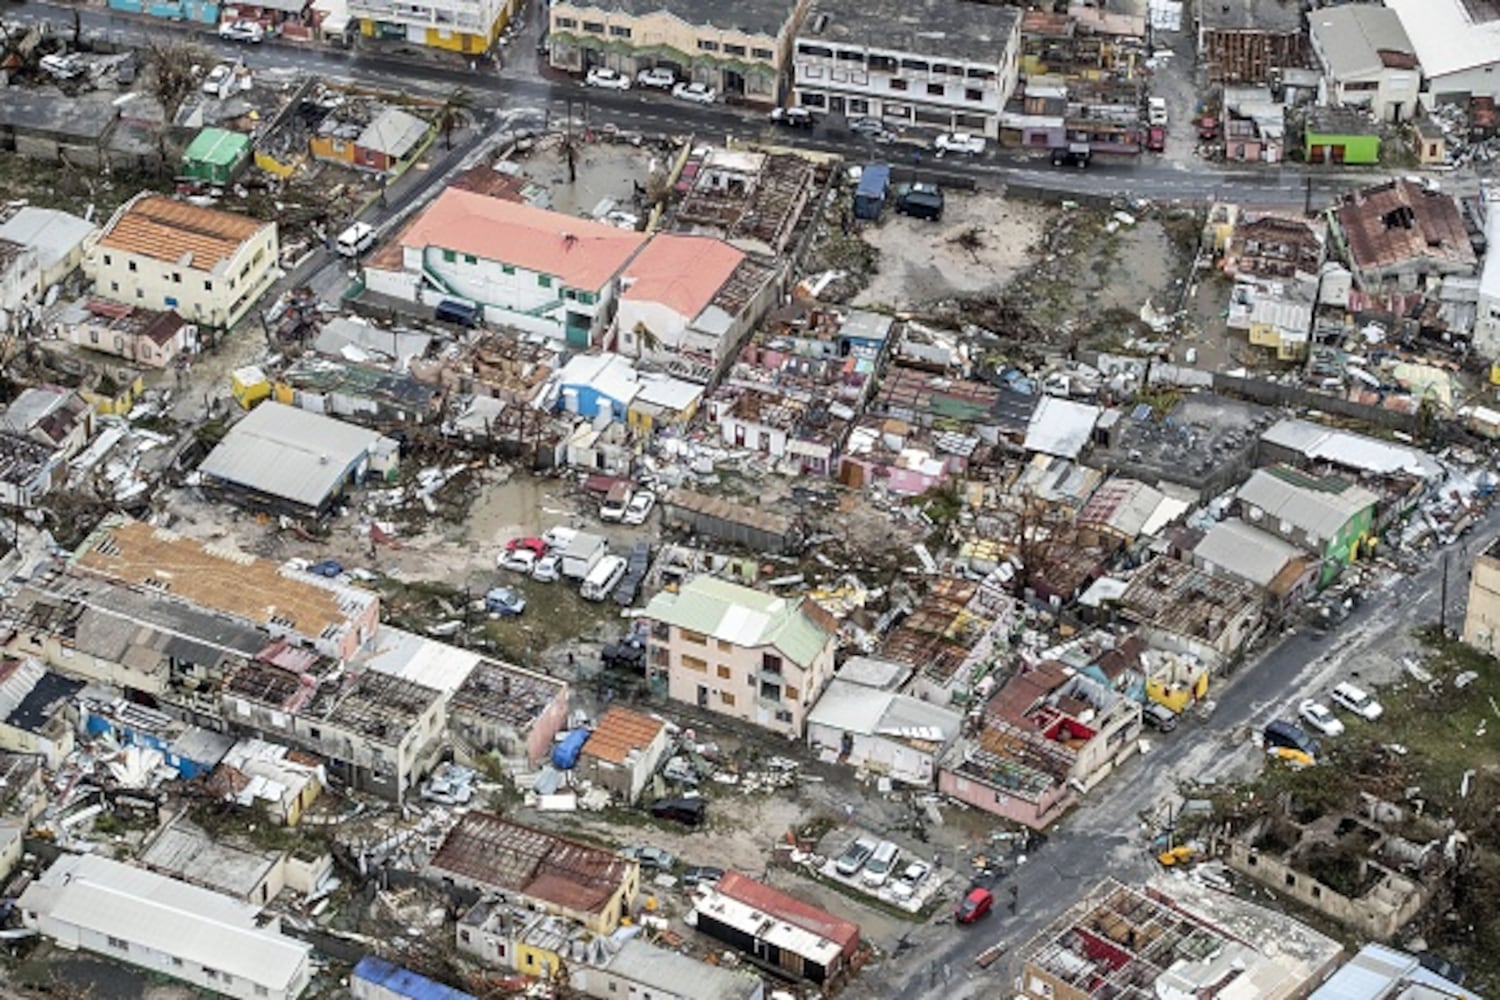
{"x":285,"y":452}
{"x":1352,"y":37}
{"x":52,"y":233}
{"x":1245,"y":551}
{"x":417,"y":658}
{"x":768,"y":928}
{"x":1318,"y":512}
{"x":1060,"y":427}
{"x":1446,"y":39}
{"x":162,"y":914}
{"x":1354,"y":451}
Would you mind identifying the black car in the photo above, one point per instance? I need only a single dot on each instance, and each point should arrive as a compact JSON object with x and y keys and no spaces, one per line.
{"x":1287,"y":736}
{"x":701,"y":875}
{"x":688,"y":812}
{"x":1159,"y":717}
{"x":629,"y":654}
{"x":921,"y":201}
{"x":1075,"y":155}
{"x":793,"y":117}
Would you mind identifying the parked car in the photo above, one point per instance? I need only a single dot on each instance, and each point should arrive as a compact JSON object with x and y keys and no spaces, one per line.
{"x":217,"y":80}
{"x":651,"y":857}
{"x":558,"y":537}
{"x":330,"y":568}
{"x":871,"y":128}
{"x":504,"y":602}
{"x":854,"y":857}
{"x":519,"y":561}
{"x":637,"y":562}
{"x":959,"y":142}
{"x":698,"y":93}
{"x":1156,"y":139}
{"x":1158,"y":716}
{"x":975,"y":905}
{"x":1356,"y":700}
{"x":616,"y":502}
{"x":905,"y":885}
{"x":70,"y":67}
{"x":640,"y":506}
{"x":701,"y":875}
{"x":921,"y":201}
{"x":658,"y":77}
{"x":1281,"y":734}
{"x":242,"y":31}
{"x":1156,"y":111}
{"x":1076,"y":154}
{"x":1319,"y":718}
{"x":608,"y":79}
{"x":689,"y":812}
{"x":537,"y":546}
{"x":878,"y":869}
{"x":793,"y":117}
{"x":548,"y":568}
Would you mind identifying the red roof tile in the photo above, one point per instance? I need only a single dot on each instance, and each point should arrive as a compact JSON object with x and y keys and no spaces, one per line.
{"x":683,"y":273}
{"x":788,"y":908}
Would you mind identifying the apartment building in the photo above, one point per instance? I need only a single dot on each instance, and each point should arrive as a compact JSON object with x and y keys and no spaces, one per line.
{"x":740,"y":652}
{"x":948,"y":65}
{"x":740,"y":49}
{"x":207,"y":265}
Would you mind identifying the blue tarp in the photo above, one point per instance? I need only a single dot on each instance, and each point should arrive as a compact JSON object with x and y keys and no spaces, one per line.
{"x":869,"y":197}
{"x":404,"y":982}
{"x":565,"y":753}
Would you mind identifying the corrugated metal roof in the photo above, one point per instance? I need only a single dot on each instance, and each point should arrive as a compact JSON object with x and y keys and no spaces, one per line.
{"x":171,"y":230}
{"x":743,"y":616}
{"x":285,"y":452}
{"x":403,"y":982}
{"x":1321,"y":513}
{"x":1245,"y":551}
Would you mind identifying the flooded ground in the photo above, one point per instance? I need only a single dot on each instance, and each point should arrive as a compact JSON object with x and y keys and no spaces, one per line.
{"x":603,"y":170}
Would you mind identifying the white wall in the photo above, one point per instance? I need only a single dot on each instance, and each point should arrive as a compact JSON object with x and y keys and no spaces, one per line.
{"x":218,"y":297}
{"x":1480,"y":81}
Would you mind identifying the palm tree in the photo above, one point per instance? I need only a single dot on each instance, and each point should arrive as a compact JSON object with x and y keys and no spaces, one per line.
{"x":646,"y":338}
{"x":453,"y":112}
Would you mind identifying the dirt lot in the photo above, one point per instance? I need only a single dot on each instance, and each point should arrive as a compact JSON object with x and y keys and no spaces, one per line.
{"x":981,"y":243}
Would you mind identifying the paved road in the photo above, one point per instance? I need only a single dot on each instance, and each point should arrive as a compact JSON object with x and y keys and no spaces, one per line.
{"x":520,"y":86}
{"x":1103,"y":836}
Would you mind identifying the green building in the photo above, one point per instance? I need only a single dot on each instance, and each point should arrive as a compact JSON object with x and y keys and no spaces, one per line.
{"x":216,"y":156}
{"x":1324,"y":515}
{"x":1340,"y":135}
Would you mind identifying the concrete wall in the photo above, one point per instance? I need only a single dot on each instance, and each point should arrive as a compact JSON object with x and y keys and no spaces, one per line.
{"x":878,"y":754}
{"x":1379,"y":913}
{"x":1482,"y":615}
{"x":728,"y":679}
{"x":218,"y":297}
{"x":1034,"y":813}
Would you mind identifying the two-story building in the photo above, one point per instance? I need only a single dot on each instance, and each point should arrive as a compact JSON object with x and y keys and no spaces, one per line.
{"x":740,"y":652}
{"x":538,"y":271}
{"x":939,"y":64}
{"x":1399,"y":233}
{"x":208,"y":265}
{"x":467,"y":26}
{"x":1367,"y":60}
{"x":741,"y":49}
{"x":143,"y":336}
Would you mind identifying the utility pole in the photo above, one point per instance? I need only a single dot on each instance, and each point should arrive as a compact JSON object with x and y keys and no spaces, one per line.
{"x":1443,"y":601}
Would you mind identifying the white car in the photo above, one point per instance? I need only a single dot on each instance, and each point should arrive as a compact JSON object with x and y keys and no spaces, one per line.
{"x":609,"y":79}
{"x":1156,"y":111}
{"x":904,"y":886}
{"x":658,"y":76}
{"x":698,"y":93}
{"x":959,"y":142}
{"x":1356,"y":700}
{"x":520,"y":560}
{"x":548,"y":568}
{"x":639,"y":507}
{"x":1318,"y":717}
{"x":217,"y":80}
{"x":559,"y":537}
{"x":242,"y":31}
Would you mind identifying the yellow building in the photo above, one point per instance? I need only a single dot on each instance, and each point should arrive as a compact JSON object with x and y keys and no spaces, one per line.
{"x":1281,"y":326}
{"x":741,"y":50}
{"x":1482,"y":614}
{"x":468,"y":26}
{"x":206,"y":265}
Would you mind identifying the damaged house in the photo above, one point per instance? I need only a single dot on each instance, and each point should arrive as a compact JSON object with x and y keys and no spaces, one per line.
{"x":1185,"y":609}
{"x":1399,"y":234}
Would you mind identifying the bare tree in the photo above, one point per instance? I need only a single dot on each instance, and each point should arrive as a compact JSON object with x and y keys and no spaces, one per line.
{"x":173,"y":67}
{"x":455,"y":110}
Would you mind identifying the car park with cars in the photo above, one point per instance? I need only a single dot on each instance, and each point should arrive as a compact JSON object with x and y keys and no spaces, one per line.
{"x":959,"y":142}
{"x":657,"y":77}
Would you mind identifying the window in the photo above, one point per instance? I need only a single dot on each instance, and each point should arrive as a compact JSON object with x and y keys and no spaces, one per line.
{"x":898,"y":84}
{"x":704,"y":45}
{"x":695,"y":663}
{"x":208,"y":286}
{"x":313,"y":732}
{"x":119,"y":944}
{"x":543,"y":281}
{"x":176,"y":277}
{"x":449,"y":256}
{"x":917,"y":64}
{"x":212,"y":974}
{"x":726,"y":698}
{"x":176,"y":962}
{"x":697,"y":638}
{"x":723,"y":672}
{"x":1291,"y":879}
{"x":935,"y":89}
{"x":463,"y":935}
{"x":815,"y":50}
{"x":791,"y":694}
{"x":567,"y":22}
{"x":140,"y":293}
{"x":619,"y":31}
{"x":813,"y":100}
{"x":859,"y":106}
{"x":93,"y":336}
{"x":131,"y":266}
{"x":783,"y":716}
{"x":114,"y":286}
{"x":770,"y":663}
{"x":597,"y":27}
{"x":770,"y":691}
{"x":507,"y":269}
{"x":470,"y":259}
{"x":261,"y":991}
{"x":734,"y":50}
{"x":973,"y":94}
{"x":849,"y":55}
{"x":108,"y":260}
{"x":586,"y":298}
{"x":762,"y":54}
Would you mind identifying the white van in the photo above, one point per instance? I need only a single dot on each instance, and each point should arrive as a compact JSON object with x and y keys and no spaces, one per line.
{"x":878,"y":869}
{"x":603,"y":578}
{"x":356,"y":239}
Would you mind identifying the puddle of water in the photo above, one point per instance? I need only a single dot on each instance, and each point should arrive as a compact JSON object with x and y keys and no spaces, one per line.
{"x":1145,"y":264}
{"x":521,"y":506}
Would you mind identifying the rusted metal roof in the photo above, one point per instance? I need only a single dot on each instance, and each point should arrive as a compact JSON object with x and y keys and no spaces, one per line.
{"x":177,"y":232}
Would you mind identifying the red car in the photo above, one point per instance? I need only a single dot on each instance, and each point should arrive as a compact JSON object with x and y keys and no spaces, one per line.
{"x":1156,"y":139}
{"x":530,"y":542}
{"x":975,"y":905}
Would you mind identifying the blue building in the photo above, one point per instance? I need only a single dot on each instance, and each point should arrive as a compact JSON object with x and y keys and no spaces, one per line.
{"x":595,"y":384}
{"x":200,"y":11}
{"x":189,"y":750}
{"x":376,"y":979}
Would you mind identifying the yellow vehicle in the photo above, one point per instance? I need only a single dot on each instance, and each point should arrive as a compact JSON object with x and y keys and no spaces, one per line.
{"x":1291,"y":757}
{"x":1180,"y":855}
